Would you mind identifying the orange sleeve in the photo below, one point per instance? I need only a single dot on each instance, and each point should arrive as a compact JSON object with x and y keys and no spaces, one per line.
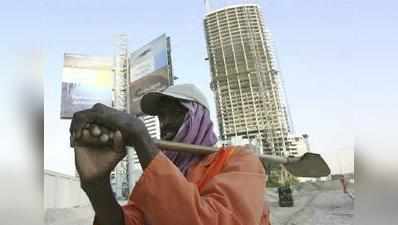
{"x":132,"y":214}
{"x":235,"y":196}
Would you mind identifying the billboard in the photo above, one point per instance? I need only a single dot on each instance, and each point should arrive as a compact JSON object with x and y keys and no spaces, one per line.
{"x":150,"y":70}
{"x":86,"y":80}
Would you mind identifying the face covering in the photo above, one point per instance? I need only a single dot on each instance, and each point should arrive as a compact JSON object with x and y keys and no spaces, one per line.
{"x":196,"y":129}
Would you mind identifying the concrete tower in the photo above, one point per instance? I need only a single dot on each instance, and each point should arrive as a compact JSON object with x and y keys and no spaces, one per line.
{"x":245,"y":78}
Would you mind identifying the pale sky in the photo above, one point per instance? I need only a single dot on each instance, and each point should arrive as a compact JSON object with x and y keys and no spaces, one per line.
{"x":326,"y":52}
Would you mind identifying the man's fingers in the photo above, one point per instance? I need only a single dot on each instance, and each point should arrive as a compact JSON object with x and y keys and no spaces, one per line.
{"x":104,"y":130}
{"x":94,"y":136}
{"x":81,"y":120}
{"x":87,"y":139}
{"x":118,"y":141}
{"x":104,"y":115}
{"x":103,"y":133}
{"x":101,"y":115}
{"x":95,"y":130}
{"x":109,"y":117}
{"x":78,"y":133}
{"x":104,"y":138}
{"x":91,"y":127}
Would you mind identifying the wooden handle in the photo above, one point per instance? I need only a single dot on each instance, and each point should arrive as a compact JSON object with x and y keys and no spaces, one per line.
{"x":204,"y":150}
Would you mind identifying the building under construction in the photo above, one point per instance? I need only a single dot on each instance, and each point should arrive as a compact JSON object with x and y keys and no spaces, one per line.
{"x":245,"y":78}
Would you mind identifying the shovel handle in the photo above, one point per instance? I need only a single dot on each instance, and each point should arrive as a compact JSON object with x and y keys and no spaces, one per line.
{"x":204,"y":150}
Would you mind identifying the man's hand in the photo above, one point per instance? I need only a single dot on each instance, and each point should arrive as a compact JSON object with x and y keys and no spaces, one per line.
{"x":99,"y":136}
{"x":94,"y":163}
{"x":131,"y":128}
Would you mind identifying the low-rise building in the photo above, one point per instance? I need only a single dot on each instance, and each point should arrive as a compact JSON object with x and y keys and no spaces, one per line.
{"x":297,"y":145}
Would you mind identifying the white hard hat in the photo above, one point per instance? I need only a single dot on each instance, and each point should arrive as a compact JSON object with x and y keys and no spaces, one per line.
{"x":189,"y":92}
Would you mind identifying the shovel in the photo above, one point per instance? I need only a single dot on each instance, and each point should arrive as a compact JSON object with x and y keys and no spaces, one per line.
{"x":307,"y":165}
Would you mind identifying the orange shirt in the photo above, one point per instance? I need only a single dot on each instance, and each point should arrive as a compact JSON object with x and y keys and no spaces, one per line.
{"x":235,"y":196}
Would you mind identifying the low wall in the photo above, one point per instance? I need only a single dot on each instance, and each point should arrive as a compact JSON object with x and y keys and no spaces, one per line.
{"x":62,"y":191}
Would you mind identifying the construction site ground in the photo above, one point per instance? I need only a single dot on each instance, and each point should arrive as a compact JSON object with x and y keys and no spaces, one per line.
{"x":320,"y":203}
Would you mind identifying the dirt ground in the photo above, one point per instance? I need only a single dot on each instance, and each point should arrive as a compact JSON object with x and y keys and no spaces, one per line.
{"x":321,"y":203}
{"x":315,"y":208}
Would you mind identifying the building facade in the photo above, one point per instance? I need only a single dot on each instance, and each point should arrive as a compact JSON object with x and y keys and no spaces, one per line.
{"x":245,"y":78}
{"x":153,"y":126}
{"x":297,"y":145}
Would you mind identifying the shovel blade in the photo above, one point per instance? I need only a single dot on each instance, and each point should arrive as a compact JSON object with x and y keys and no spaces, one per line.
{"x":309,"y":165}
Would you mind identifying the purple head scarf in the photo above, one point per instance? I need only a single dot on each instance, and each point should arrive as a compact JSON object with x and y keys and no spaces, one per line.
{"x":196,"y":129}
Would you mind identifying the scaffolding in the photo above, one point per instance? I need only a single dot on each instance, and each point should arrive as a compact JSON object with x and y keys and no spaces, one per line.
{"x":245,"y":78}
{"x":119,"y":176}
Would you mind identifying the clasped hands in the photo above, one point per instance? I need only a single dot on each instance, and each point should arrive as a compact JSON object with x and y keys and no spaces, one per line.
{"x":99,"y":136}
{"x":98,"y":125}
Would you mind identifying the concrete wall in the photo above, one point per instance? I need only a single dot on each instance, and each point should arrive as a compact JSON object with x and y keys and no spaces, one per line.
{"x":62,"y":191}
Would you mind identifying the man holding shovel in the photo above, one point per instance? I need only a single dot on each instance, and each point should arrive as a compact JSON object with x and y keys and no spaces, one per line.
{"x":226,"y":187}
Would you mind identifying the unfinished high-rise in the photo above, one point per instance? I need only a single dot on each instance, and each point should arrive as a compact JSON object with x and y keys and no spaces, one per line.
{"x":245,"y":79}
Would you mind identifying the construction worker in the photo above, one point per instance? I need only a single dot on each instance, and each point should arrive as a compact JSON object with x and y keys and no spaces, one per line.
{"x":226,"y":187}
{"x":343,"y":182}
